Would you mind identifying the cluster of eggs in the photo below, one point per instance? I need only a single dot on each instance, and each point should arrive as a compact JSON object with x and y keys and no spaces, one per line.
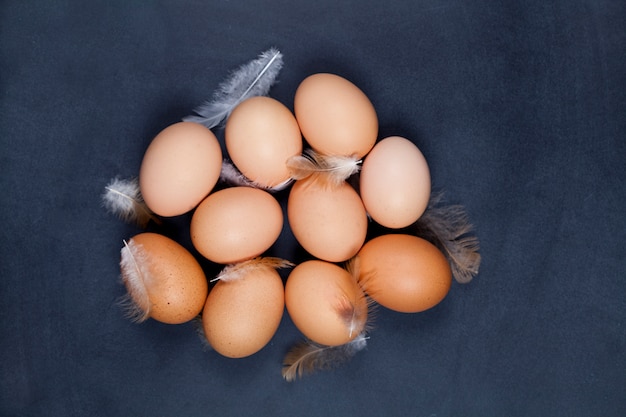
{"x":327,"y":297}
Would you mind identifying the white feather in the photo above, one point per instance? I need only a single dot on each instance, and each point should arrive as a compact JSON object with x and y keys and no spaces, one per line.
{"x":123,"y":198}
{"x":134,"y":268}
{"x":252,"y":79}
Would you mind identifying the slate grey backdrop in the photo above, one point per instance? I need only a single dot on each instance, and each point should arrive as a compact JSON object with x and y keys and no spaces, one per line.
{"x":518,"y":106}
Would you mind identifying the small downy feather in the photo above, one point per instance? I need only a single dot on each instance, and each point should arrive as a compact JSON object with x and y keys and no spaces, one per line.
{"x":251,"y":79}
{"x":232,"y":176}
{"x":353,"y":317}
{"x":449,"y":227}
{"x":307,"y":357}
{"x":197,"y":323}
{"x":123,"y":198}
{"x":331,"y":169}
{"x":357,"y":315}
{"x":135,"y":272}
{"x":238,"y":270}
{"x":357,"y":319}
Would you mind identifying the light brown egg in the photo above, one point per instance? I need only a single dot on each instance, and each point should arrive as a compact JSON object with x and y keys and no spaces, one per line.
{"x":180,"y":167}
{"x":325,"y":303}
{"x":404,"y":273}
{"x":335,"y":116}
{"x":163,"y":279}
{"x":260,"y":135}
{"x":328,"y":221}
{"x":395,"y":182}
{"x":235,"y":224}
{"x":241,"y":316}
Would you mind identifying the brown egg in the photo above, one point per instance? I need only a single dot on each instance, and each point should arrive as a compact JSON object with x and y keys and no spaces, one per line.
{"x":163,"y":279}
{"x":395,"y":183}
{"x":404,"y":273}
{"x":235,"y":224}
{"x":325,"y":303}
{"x":260,"y":135}
{"x":241,"y":316}
{"x":328,"y":221}
{"x":180,"y":167}
{"x":335,"y":116}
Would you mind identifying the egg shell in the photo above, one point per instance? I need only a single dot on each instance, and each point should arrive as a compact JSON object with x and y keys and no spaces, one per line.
{"x":325,"y":302}
{"x":395,"y":183}
{"x":235,"y":224}
{"x":404,"y":273}
{"x":171,"y":277}
{"x":329,"y":222}
{"x":335,"y":116}
{"x":260,"y":135}
{"x":180,"y":167}
{"x":241,"y":316}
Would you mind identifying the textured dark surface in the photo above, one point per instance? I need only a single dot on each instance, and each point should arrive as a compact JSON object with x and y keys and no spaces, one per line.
{"x":519,"y":108}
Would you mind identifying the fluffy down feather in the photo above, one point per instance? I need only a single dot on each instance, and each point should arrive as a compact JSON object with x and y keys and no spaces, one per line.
{"x":123,"y":198}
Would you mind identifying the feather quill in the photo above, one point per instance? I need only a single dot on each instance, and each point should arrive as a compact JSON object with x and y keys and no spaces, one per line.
{"x":232,"y":176}
{"x":238,"y":270}
{"x":134,"y":269}
{"x":331,"y":169}
{"x":123,"y":198}
{"x":307,"y":357}
{"x":449,"y":228}
{"x":251,"y":79}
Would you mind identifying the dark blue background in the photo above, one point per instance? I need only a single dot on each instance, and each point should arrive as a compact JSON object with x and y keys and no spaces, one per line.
{"x":518,"y":106}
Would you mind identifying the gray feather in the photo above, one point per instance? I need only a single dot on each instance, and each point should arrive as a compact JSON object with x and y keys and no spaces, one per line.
{"x":232,"y":176}
{"x":307,"y":357}
{"x":449,"y":228}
